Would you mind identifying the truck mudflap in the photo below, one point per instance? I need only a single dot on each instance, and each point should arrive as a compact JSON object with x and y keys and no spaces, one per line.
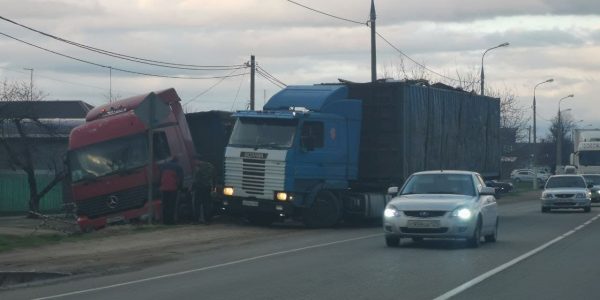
{"x":87,"y":224}
{"x":237,"y":205}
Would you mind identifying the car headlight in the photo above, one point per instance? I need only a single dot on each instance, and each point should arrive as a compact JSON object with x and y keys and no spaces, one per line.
{"x":580,"y":195}
{"x":391,"y":212}
{"x":547,"y":195}
{"x":462,"y":213}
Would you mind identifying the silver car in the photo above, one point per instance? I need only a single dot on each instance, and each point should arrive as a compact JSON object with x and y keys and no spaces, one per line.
{"x":566,"y":191}
{"x":442,"y":204}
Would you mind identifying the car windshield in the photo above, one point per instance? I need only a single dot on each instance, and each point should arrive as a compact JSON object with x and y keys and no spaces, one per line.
{"x":263,"y":133}
{"x":109,"y":157}
{"x":460,"y":184}
{"x":592,"y":179}
{"x":565,"y":182}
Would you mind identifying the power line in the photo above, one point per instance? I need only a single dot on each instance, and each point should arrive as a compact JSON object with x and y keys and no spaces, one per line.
{"x":327,"y":14}
{"x":109,"y":67}
{"x":128,"y":57}
{"x":384,"y":39}
{"x":269,"y":79}
{"x":212,"y":86}
{"x":237,"y":94}
{"x":271,"y":76}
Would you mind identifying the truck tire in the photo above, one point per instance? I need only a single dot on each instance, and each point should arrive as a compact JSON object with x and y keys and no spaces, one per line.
{"x":325,"y":211}
{"x":261,"y":218}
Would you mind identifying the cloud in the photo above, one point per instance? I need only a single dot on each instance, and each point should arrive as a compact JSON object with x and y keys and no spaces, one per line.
{"x":49,"y":9}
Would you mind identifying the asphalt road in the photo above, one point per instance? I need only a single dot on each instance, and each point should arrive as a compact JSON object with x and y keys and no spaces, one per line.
{"x":537,"y":256}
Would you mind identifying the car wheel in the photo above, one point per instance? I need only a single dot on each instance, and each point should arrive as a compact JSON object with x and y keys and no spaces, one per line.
{"x":491,"y":238}
{"x":475,"y":240}
{"x":325,"y":211}
{"x":392,"y":240}
{"x":545,"y":209}
{"x":587,"y":209}
{"x":417,"y":239}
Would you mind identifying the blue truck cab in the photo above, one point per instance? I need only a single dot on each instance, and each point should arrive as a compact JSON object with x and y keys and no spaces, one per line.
{"x":290,"y":159}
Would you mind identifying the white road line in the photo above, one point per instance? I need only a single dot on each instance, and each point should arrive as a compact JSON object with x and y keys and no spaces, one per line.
{"x":469,"y":284}
{"x":209,"y":267}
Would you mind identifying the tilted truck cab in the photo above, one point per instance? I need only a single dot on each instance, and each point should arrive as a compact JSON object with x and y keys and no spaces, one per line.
{"x":109,"y":158}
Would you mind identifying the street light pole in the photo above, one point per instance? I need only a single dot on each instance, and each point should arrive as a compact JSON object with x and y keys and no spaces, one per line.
{"x":482,"y":74}
{"x":534,"y":156}
{"x":559,"y":133}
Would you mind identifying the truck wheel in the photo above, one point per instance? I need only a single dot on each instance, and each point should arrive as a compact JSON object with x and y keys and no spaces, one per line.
{"x":325,"y":211}
{"x":260,"y":218}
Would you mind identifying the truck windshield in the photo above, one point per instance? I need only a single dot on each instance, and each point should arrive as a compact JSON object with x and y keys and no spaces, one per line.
{"x":108,"y":157}
{"x":263,"y":133}
{"x":460,"y":184}
{"x":589,"y":158}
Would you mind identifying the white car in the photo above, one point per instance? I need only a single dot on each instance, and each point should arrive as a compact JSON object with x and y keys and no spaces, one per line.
{"x":442,"y":204}
{"x":566,"y":191}
{"x":528,"y":175}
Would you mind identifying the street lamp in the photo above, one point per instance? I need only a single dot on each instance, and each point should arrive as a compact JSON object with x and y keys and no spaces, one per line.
{"x":486,"y":51}
{"x":534,"y":136}
{"x":560,"y":132}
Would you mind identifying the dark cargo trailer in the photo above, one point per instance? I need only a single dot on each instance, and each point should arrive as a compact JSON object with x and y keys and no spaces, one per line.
{"x":408,"y":128}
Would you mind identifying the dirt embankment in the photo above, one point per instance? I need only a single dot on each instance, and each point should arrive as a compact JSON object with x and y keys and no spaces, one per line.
{"x":127,"y":247}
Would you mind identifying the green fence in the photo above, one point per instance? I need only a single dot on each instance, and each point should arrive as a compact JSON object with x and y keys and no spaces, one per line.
{"x":14,"y":193}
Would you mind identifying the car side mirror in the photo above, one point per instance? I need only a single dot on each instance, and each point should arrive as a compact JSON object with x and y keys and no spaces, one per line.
{"x":393,"y":190}
{"x":589,"y":186}
{"x":487,"y":191}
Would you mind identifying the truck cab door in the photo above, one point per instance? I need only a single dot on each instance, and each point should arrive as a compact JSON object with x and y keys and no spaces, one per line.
{"x":321,"y":154}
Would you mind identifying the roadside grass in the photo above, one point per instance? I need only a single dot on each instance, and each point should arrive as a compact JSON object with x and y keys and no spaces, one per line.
{"x":9,"y":242}
{"x":519,"y":190}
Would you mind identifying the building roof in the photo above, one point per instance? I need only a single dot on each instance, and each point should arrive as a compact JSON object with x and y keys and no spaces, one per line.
{"x":54,"y":109}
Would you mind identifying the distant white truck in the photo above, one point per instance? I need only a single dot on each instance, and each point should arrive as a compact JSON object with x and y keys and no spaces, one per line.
{"x":586,"y":151}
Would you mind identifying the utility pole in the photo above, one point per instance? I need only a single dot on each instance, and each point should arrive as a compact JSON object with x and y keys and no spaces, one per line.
{"x":252,"y":75}
{"x":373,"y":44}
{"x":30,"y":83}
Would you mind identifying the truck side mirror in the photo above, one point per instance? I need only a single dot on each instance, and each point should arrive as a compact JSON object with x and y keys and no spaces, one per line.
{"x":392,"y":190}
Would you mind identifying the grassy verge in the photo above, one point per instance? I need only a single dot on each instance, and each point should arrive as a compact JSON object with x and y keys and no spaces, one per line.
{"x":10,"y":242}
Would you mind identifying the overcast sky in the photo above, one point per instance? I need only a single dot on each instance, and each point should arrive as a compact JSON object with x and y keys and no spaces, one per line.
{"x":556,"y":39}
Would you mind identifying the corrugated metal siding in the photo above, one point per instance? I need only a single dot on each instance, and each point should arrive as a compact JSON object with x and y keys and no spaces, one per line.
{"x":410,"y":128}
{"x":14,"y":194}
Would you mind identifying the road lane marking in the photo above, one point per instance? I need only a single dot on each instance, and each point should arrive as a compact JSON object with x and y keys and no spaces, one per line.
{"x":210,"y":267}
{"x":469,"y":284}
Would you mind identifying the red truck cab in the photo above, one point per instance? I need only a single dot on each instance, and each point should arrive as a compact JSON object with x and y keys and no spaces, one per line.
{"x":109,"y":158}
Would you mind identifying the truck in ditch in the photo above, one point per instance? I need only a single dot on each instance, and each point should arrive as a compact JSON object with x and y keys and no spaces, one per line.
{"x":328,"y":152}
{"x":114,"y":157}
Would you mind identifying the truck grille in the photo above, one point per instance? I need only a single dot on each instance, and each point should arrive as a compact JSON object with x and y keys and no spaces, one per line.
{"x":255,"y":177}
{"x":113,"y":202}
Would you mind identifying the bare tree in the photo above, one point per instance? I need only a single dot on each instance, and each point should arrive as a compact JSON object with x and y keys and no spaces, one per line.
{"x":16,"y":138}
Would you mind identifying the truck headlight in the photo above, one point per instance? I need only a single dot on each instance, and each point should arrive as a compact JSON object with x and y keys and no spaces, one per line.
{"x":283,"y":196}
{"x":228,"y":191}
{"x":391,"y":212}
{"x":462,"y":213}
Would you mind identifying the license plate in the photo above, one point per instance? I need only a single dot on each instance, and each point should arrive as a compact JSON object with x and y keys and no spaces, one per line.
{"x":115,"y":219}
{"x":423,"y":223}
{"x":249,"y":203}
